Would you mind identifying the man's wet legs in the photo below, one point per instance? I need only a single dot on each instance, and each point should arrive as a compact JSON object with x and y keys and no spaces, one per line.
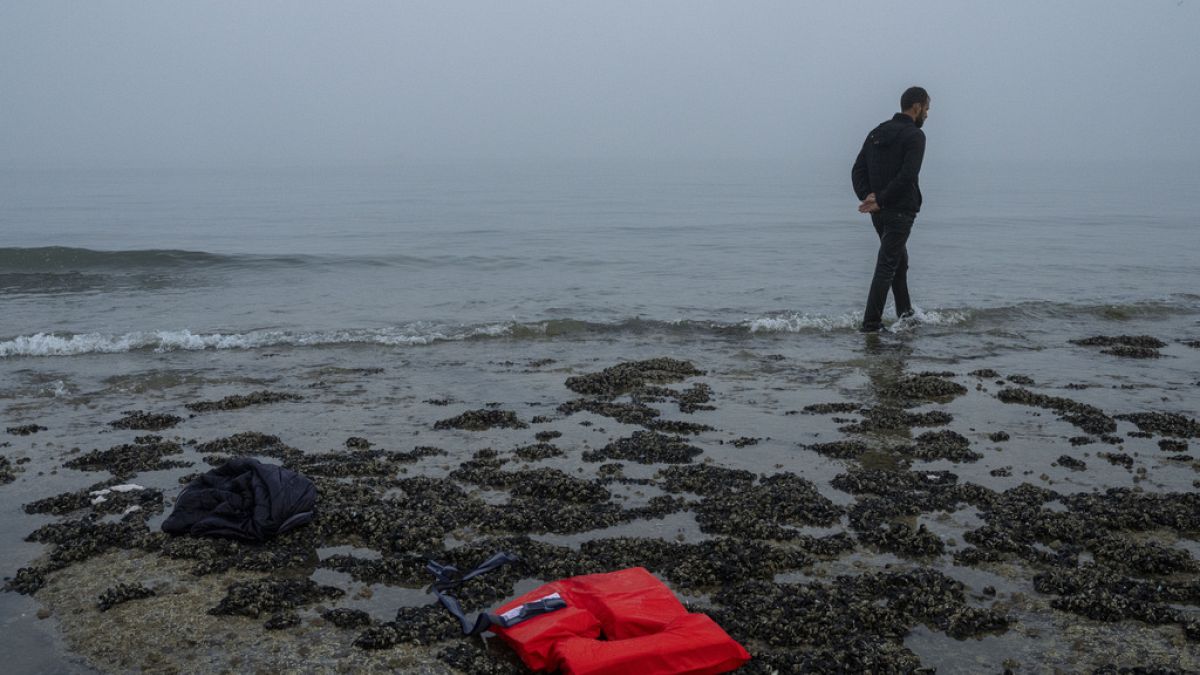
{"x":891,"y":268}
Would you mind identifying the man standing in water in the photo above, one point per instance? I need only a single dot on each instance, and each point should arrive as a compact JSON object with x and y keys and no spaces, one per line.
{"x":885,"y":179}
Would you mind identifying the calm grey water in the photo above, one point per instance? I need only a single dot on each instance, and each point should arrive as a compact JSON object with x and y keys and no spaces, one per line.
{"x":116,"y":260}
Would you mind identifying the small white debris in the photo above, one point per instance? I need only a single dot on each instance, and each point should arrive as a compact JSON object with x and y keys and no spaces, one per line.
{"x":100,"y":496}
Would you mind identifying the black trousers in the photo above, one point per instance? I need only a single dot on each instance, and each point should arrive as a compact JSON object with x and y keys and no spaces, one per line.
{"x":891,"y":266}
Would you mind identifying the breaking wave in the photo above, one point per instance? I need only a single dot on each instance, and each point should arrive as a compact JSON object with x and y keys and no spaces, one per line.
{"x":72,"y":344}
{"x":427,"y":333}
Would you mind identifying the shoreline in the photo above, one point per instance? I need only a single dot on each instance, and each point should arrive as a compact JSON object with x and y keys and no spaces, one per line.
{"x":765,"y":498}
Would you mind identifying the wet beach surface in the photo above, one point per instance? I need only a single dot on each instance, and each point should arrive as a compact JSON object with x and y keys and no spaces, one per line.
{"x":966,"y":498}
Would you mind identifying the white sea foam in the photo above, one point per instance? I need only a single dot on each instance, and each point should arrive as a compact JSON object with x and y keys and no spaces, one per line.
{"x":414,"y":334}
{"x":49,"y":344}
{"x":796,"y":323}
{"x":799,"y":323}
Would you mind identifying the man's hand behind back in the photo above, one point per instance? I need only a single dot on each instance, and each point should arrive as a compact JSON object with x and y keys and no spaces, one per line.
{"x":868,"y":205}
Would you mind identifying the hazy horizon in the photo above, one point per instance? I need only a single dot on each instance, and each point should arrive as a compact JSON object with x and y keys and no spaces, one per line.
{"x":279,"y":84}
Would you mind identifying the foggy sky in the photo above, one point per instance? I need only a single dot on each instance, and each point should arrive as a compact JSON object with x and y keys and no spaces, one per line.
{"x":161,"y":82}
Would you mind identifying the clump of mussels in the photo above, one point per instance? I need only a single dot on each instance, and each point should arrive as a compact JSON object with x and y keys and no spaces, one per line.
{"x":7,"y":471}
{"x":259,"y":596}
{"x":237,"y":401}
{"x":646,"y":447}
{"x":145,"y":421}
{"x":1164,"y":424}
{"x":626,"y":377}
{"x":1089,"y":418}
{"x":122,"y":593}
{"x":482,"y":419}
{"x":924,"y":387}
{"x":853,"y":624}
{"x":146,"y":453}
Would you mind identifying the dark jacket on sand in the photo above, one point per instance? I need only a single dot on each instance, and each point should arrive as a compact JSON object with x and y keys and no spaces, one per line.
{"x":243,"y":499}
{"x":888,"y":165}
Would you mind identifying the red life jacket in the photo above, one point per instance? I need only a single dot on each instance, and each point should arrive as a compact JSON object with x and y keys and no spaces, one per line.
{"x":617,"y":623}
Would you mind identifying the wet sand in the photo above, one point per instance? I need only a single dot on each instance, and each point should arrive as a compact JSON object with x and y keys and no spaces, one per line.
{"x":916,"y":501}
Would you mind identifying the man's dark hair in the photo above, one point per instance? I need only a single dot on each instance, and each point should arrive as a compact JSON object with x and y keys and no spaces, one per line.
{"x":913,"y":96}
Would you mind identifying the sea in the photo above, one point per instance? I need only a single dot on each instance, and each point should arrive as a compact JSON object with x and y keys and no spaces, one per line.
{"x":409,"y":256}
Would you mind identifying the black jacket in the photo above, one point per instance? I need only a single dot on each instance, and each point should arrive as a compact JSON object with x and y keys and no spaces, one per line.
{"x":888,"y":165}
{"x":243,"y":499}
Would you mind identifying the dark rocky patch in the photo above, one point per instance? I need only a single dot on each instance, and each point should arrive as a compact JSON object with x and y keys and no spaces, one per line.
{"x":401,"y":570}
{"x":25,"y":429}
{"x":884,"y":419}
{"x":7,"y":471}
{"x":413,"y":625}
{"x":626,"y":377}
{"x":84,"y":538}
{"x":1081,"y":440}
{"x":1023,"y":380}
{"x":853,"y":624}
{"x":146,"y":453}
{"x":27,"y":580}
{"x":357,"y":443}
{"x":1002,"y":472}
{"x":743,"y":441}
{"x":677,"y":427}
{"x":1164,"y":424}
{"x":1145,"y":341}
{"x":998,"y":436}
{"x":924,"y":388}
{"x":1071,"y":463}
{"x":944,"y":444}
{"x":646,"y":447}
{"x":839,"y":449}
{"x":537,"y":451}
{"x":828,"y":408}
{"x":1105,"y":595}
{"x":343,"y":617}
{"x":238,"y":401}
{"x":1117,"y":459}
{"x":769,"y":510}
{"x":1168,"y":445}
{"x":470,"y":657}
{"x":710,"y":564}
{"x":1089,"y":418}
{"x":358,"y":462}
{"x":1141,"y":558}
{"x":122,"y":593}
{"x":482,"y":419}
{"x":251,"y":443}
{"x":985,"y":373}
{"x":145,"y":421}
{"x":1126,"y":509}
{"x":704,"y":479}
{"x":543,"y":483}
{"x":282,"y":620}
{"x":547,"y":436}
{"x":625,"y":413}
{"x":259,"y":596}
{"x":694,"y":398}
{"x":902,"y":539}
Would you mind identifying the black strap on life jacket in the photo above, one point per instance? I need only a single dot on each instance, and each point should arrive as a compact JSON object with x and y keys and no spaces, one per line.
{"x":447,"y":578}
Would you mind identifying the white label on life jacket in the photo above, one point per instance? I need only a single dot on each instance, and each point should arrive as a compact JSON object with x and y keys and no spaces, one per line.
{"x":516,"y":611}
